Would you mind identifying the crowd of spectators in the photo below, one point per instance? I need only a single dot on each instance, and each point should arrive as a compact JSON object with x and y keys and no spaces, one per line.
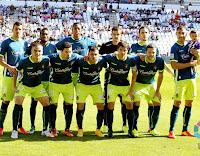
{"x":95,"y":23}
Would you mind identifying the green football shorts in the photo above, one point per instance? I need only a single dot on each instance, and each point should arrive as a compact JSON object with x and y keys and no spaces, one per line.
{"x":83,"y":91}
{"x":67,"y":90}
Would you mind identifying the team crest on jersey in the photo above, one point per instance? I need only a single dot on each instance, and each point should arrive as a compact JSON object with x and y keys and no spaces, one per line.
{"x":126,"y":66}
{"x":50,"y":51}
{"x":98,"y":68}
{"x":71,"y":63}
{"x":77,"y":97}
{"x":155,"y":67}
{"x":4,"y":95}
{"x":176,"y":95}
{"x":83,"y":43}
{"x":43,"y":66}
{"x":108,"y":97}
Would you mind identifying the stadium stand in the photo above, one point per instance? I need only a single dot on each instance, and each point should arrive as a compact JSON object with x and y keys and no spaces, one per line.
{"x":97,"y":18}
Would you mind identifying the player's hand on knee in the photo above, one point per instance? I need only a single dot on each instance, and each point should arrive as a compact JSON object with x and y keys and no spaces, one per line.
{"x":130,"y":93}
{"x":157,"y":93}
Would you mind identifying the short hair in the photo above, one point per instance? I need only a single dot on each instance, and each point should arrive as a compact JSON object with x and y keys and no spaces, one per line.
{"x":151,"y":46}
{"x":115,"y":28}
{"x":123,"y":44}
{"x":194,"y":32}
{"x":66,"y":45}
{"x":43,"y":30}
{"x":92,"y":48}
{"x":180,"y":27}
{"x":76,"y":23}
{"x":36,"y":44}
{"x":18,"y":23}
{"x":143,"y":27}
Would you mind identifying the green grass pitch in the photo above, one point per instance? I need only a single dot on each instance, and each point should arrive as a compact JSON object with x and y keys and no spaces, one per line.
{"x":90,"y":144}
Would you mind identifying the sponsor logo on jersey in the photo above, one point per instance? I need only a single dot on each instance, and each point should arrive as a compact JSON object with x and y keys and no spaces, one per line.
{"x":34,"y":74}
{"x":185,"y":56}
{"x":151,"y":72}
{"x":142,"y":66}
{"x":14,"y":53}
{"x":85,"y":68}
{"x":91,"y":74}
{"x":60,"y":71}
{"x":120,"y":71}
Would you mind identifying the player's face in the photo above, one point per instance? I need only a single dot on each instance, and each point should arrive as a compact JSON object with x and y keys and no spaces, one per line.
{"x":66,"y":53}
{"x":144,"y":34}
{"x":122,"y":51}
{"x":44,"y":36}
{"x":17,"y":31}
{"x":93,"y":56}
{"x":194,"y":36}
{"x":116,"y":35}
{"x":77,"y":31}
{"x":151,"y":53}
{"x":37,"y":52}
{"x":181,"y":34}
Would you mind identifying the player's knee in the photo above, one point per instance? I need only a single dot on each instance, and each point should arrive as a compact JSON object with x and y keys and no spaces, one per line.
{"x":177,"y":103}
{"x":129,"y":105}
{"x":19,"y":100}
{"x":68,"y":103}
{"x":111,"y":106}
{"x":188,"y":103}
{"x":6,"y":102}
{"x":137,"y":103}
{"x":156,"y":104}
{"x":55,"y":104}
{"x":100,"y":106}
{"x":80,"y":106}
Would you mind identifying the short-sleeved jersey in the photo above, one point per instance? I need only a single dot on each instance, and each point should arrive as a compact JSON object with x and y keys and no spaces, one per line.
{"x":31,"y":72}
{"x":119,"y":69}
{"x":147,"y":71}
{"x":89,"y":74}
{"x":12,"y":51}
{"x":78,"y":46}
{"x":138,"y":48}
{"x":180,"y":54}
{"x":108,"y":48}
{"x":61,"y":69}
{"x":47,"y":50}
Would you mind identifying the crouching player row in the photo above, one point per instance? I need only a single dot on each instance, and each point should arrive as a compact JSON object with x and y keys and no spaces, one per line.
{"x":89,"y":84}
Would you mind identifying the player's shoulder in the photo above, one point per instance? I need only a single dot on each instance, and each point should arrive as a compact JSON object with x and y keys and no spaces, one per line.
{"x":45,"y":58}
{"x":134,"y":45}
{"x":52,"y":45}
{"x":53,"y":55}
{"x":159,"y":59}
{"x":7,"y":41}
{"x":107,"y":44}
